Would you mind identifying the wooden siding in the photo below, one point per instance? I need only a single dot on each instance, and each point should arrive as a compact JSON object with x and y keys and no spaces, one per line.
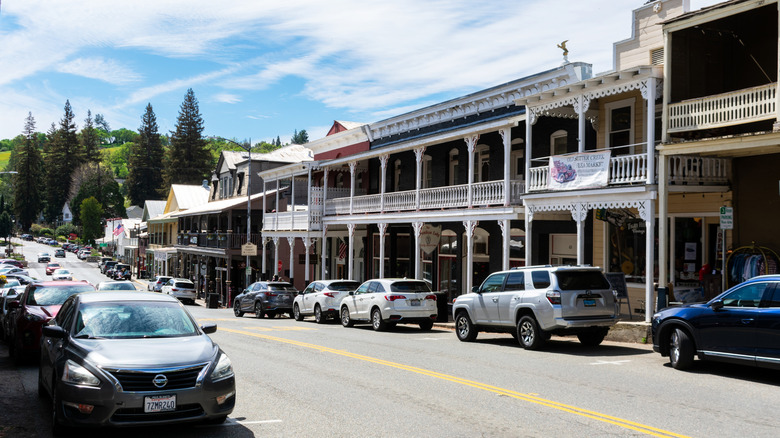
{"x":646,"y":35}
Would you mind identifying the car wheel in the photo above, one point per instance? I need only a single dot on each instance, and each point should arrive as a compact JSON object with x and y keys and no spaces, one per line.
{"x":592,"y":338}
{"x":237,"y":309}
{"x":528,"y":333}
{"x":426,"y":326}
{"x":376,"y":321}
{"x":346,"y":321}
{"x":680,"y":349}
{"x":464,"y":328}
{"x":297,"y":313}
{"x":259,"y":311}
{"x":318,"y":318}
{"x":57,"y":426}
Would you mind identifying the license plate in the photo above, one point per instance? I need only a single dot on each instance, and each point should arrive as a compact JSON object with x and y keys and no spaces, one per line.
{"x":589,"y":302}
{"x":160,"y":403}
{"x":414,"y":302}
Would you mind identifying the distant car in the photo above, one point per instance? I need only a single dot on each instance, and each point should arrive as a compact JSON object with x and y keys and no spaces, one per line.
{"x":44,"y":257}
{"x":62,"y":274}
{"x":108,"y":265}
{"x":59,"y":252}
{"x":132,"y":358}
{"x":13,"y":270}
{"x":180,"y":288}
{"x":83,"y":254}
{"x":265,"y":298}
{"x":116,"y":285}
{"x":51,"y":267}
{"x":322,"y":299}
{"x":121,"y":271}
{"x":158,"y":282}
{"x":386,"y":302}
{"x":12,"y":262}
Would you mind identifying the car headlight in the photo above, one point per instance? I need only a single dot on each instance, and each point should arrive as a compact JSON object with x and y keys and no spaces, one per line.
{"x":33,"y":317}
{"x":78,"y":375}
{"x":223,"y":370}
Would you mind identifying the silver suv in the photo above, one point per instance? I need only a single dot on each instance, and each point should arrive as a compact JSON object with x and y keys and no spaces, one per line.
{"x":534,"y":302}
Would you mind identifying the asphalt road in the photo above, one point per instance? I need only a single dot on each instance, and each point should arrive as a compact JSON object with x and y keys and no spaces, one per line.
{"x":304,"y":379}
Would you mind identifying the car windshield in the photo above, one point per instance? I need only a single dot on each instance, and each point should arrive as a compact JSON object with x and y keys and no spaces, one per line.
{"x":117,"y":286}
{"x":185,"y":284}
{"x":409,"y":286}
{"x":11,"y":283}
{"x":580,"y":280}
{"x":344,"y":286}
{"x":136,"y":319}
{"x":54,"y":295}
{"x":62,"y":272}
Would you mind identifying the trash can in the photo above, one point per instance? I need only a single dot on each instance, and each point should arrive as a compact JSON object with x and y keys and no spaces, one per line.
{"x":213,"y":301}
{"x":442,"y":307}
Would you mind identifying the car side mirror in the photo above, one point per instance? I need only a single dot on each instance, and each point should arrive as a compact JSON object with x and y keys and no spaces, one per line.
{"x":13,"y":304}
{"x":475,"y":289}
{"x":54,"y":331}
{"x":716,"y":305}
{"x":209,"y":328}
{"x":352,"y":292}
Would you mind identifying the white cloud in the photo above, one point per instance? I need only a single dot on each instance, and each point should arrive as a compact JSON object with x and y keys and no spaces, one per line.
{"x":106,"y":70}
{"x":226,"y":98}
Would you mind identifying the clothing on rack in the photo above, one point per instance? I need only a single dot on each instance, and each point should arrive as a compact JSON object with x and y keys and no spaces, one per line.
{"x":746,"y":266}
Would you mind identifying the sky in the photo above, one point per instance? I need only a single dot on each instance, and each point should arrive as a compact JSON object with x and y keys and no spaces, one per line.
{"x":262,"y":68}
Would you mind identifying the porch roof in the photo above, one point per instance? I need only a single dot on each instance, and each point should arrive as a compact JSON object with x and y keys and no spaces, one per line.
{"x":220,"y":206}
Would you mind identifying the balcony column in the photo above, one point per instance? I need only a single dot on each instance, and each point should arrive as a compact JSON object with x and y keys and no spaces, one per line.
{"x":291,"y":241}
{"x":529,"y":218}
{"x":579,"y":212}
{"x":292,"y":207}
{"x":530,"y":120}
{"x":276,"y":255}
{"x":418,"y":155}
{"x":469,"y":268}
{"x":309,"y":203}
{"x":352,"y":167}
{"x":506,"y":136}
{"x":323,"y":255}
{"x":276,"y":208}
{"x":648,"y":214}
{"x":351,"y":256}
{"x":263,"y":269}
{"x":663,"y":211}
{"x":471,"y":144}
{"x":383,"y":165}
{"x":417,"y":226}
{"x":581,"y":106}
{"x":382,"y":231}
{"x":506,"y":237}
{"x":307,"y":242}
{"x":649,"y":94}
{"x":324,"y":188}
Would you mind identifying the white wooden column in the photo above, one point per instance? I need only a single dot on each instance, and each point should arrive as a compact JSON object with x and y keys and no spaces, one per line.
{"x":418,"y":154}
{"x":579,"y":212}
{"x":506,"y":237}
{"x":382,"y":230}
{"x":307,"y":242}
{"x":265,"y":210}
{"x":648,"y":214}
{"x":417,"y":226}
{"x":506,"y":136}
{"x":352,"y":167}
{"x":530,"y":120}
{"x":324,"y":188}
{"x":469,"y":268}
{"x":276,"y":254}
{"x":351,"y":261}
{"x":663,"y":210}
{"x":581,"y":106}
{"x":323,"y":255}
{"x":264,"y":270}
{"x":649,"y":93}
{"x":276,"y":207}
{"x":291,"y":242}
{"x":292,"y":207}
{"x":529,"y":219}
{"x":383,"y":166}
{"x":471,"y":144}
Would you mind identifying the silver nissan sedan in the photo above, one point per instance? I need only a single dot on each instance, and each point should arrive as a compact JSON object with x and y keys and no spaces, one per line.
{"x":122,"y":358}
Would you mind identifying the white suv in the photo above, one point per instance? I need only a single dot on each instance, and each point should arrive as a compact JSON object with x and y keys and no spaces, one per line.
{"x":534,"y":302}
{"x":389,"y":301}
{"x":321,"y":299}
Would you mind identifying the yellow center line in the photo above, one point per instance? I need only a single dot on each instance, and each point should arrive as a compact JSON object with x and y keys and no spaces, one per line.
{"x":649,"y":430}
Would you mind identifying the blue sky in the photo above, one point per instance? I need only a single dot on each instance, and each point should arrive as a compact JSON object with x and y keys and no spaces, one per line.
{"x":262,"y":69}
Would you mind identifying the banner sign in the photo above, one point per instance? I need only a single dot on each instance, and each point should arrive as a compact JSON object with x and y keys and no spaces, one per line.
{"x":579,"y":171}
{"x":429,"y":238}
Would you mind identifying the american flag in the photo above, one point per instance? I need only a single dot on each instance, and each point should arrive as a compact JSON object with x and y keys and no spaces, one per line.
{"x":119,"y":230}
{"x":342,"y":250}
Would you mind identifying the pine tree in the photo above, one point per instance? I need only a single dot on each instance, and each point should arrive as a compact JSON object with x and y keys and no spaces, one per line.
{"x":278,"y":142}
{"x":90,"y":141}
{"x":101,"y":123}
{"x":188,"y":159}
{"x":300,"y":137}
{"x":27,"y":188}
{"x":144,"y":176}
{"x":64,"y":155}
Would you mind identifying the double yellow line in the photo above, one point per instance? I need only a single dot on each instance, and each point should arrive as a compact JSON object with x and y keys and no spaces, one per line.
{"x":649,"y":430}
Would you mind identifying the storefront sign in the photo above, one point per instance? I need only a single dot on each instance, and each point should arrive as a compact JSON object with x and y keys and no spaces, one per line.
{"x":249,"y":249}
{"x":429,"y":238}
{"x":579,"y":171}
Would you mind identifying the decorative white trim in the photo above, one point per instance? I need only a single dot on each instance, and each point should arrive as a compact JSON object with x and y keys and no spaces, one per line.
{"x":417,"y":228}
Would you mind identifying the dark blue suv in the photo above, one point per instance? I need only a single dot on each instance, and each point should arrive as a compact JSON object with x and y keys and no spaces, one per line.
{"x":741,"y":325}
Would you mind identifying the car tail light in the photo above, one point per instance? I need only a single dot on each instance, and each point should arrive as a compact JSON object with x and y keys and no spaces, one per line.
{"x":394,"y":297}
{"x":271,"y":294}
{"x":431,"y":297}
{"x":329,"y":294}
{"x":554,"y":297}
{"x":173,"y":289}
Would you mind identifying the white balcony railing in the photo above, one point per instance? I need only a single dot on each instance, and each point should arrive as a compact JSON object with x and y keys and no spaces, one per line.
{"x":727,"y":109}
{"x":293,"y":221}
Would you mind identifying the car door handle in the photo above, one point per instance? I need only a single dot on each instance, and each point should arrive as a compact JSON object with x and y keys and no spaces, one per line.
{"x":747,"y":321}
{"x":495,"y":300}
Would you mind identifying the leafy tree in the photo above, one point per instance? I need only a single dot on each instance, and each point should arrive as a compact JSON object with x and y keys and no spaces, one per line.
{"x":188,"y":159}
{"x":144,"y":166}
{"x":91,"y":213}
{"x":66,"y":230}
{"x":123,"y":135}
{"x":116,"y":159}
{"x":91,"y":181}
{"x":64,"y":155}
{"x":6,"y":225}
{"x":28,"y":200}
{"x":300,"y":137}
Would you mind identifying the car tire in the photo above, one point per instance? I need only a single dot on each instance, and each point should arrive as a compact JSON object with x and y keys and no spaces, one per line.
{"x":376,"y":321}
{"x":426,"y":326}
{"x":297,"y":313}
{"x":680,"y":349}
{"x":529,"y":335}
{"x":237,"y":309}
{"x":259,"y":311}
{"x":464,"y":328}
{"x":318,"y":317}
{"x":346,"y":321}
{"x":592,"y":338}
{"x":58,"y":428}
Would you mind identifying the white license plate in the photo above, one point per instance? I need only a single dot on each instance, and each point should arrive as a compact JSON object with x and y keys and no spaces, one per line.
{"x":160,"y":403}
{"x":415,"y":302}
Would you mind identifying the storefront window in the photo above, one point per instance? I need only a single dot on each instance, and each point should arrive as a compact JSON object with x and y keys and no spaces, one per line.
{"x":627,"y":248}
{"x":376,"y":256}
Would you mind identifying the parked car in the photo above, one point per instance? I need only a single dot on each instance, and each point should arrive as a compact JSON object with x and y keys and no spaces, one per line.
{"x":62,"y":274}
{"x":51,"y":267}
{"x":133,"y":358}
{"x":741,"y":325}
{"x":158,"y":282}
{"x":103,"y":261}
{"x":83,"y":254}
{"x":322,"y":299}
{"x":10,"y":289}
{"x":180,"y":288}
{"x":107,"y":266}
{"x":265,"y":298}
{"x":389,"y":301}
{"x":121,"y":271}
{"x":13,"y":270}
{"x":27,"y":237}
{"x":39,"y":303}
{"x":116,"y":285}
{"x":44,"y":257}
{"x":12,"y":262}
{"x":59,"y":252}
{"x":534,"y":302}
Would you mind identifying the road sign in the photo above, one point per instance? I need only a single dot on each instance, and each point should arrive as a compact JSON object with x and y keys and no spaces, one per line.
{"x":248,"y":270}
{"x":727,"y":218}
{"x":249,"y":249}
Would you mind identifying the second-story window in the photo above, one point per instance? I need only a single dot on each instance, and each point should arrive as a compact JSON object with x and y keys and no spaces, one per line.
{"x":396,"y":175}
{"x":620,"y":126}
{"x":559,"y":142}
{"x":482,"y":163}
{"x":453,"y":167}
{"x":427,"y":171}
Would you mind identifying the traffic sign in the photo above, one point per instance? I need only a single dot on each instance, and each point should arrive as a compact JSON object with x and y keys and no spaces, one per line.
{"x":727,"y":218}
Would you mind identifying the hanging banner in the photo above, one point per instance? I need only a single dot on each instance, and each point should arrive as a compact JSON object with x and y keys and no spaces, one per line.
{"x":429,"y":238}
{"x":585,"y":170}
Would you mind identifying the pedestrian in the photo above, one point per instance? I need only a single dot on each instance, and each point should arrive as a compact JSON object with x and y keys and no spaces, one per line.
{"x":276,"y":278}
